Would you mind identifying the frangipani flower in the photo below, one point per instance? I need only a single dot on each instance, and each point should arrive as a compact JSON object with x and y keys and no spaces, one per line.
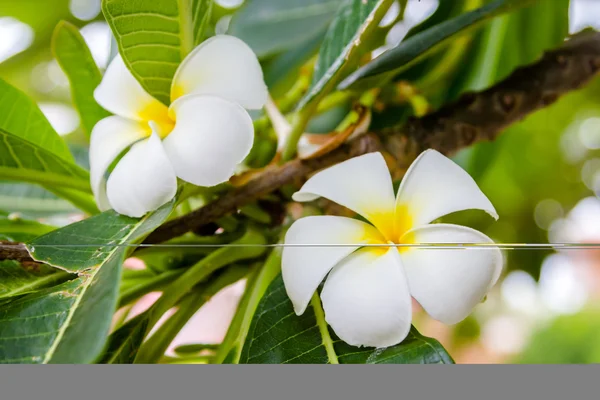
{"x":200,"y":138}
{"x":367,"y":294}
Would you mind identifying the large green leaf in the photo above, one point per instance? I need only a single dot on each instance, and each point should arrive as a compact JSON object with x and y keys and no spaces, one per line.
{"x":354,"y":20}
{"x":17,"y":279}
{"x":22,"y":117}
{"x":22,"y":160}
{"x":278,"y":336}
{"x":155,"y":36}
{"x":422,"y":44}
{"x":272,"y":26}
{"x":69,"y":323}
{"x":76,"y":61}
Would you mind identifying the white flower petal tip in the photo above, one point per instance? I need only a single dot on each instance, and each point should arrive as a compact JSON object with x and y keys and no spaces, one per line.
{"x":435,"y":186}
{"x":222,"y":66}
{"x":211,"y":137}
{"x":366,"y":299}
{"x":449,"y":283}
{"x":304,"y":267}
{"x":143,"y":180}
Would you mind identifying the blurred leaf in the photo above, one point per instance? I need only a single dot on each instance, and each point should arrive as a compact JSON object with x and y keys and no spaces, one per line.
{"x":155,"y":36}
{"x":424,"y":43}
{"x":17,"y":279}
{"x":17,"y":229}
{"x":32,"y":200}
{"x":70,"y":321}
{"x":354,"y":20}
{"x":22,"y":117}
{"x":22,"y":160}
{"x":193,"y":348}
{"x":278,"y":336}
{"x":272,"y":26}
{"x":570,"y":339}
{"x":282,"y":71}
{"x":75,"y":59}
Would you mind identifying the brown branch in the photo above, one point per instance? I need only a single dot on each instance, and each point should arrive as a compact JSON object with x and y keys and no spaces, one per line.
{"x":474,"y":117}
{"x":14,"y":251}
{"x":268,"y":181}
{"x":482,"y":116}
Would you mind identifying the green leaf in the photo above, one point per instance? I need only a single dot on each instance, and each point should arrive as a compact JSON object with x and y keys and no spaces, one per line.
{"x":422,"y":44}
{"x":69,"y":323}
{"x":278,"y":336}
{"x":155,"y":36}
{"x":272,"y":26}
{"x":17,"y":229}
{"x":124,"y":343}
{"x":354,"y":20}
{"x":32,"y":200}
{"x":17,"y":279}
{"x":256,"y":286}
{"x":21,"y":116}
{"x":282,"y":71}
{"x":76,"y":61}
{"x":21,"y":160}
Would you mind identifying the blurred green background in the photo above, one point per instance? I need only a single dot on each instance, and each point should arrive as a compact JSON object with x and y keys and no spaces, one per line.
{"x":542,"y":175}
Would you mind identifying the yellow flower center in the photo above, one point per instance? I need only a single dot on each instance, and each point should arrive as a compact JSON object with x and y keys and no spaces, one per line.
{"x":159,"y":114}
{"x":392,"y":226}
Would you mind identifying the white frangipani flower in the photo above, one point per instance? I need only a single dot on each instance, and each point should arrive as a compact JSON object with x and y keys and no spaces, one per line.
{"x":367,"y":295}
{"x":201,"y":137}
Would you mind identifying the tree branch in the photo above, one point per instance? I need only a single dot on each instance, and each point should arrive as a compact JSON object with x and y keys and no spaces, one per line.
{"x":14,"y":251}
{"x":474,"y":117}
{"x":484,"y":115}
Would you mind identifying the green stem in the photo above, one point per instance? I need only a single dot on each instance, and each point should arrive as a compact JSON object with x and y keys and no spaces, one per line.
{"x":154,"y":348}
{"x":155,"y":283}
{"x":204,"y":268}
{"x":315,"y":302}
{"x":298,"y":126}
{"x":256,"y":286}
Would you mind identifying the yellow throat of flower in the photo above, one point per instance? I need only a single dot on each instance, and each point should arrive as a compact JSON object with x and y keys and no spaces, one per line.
{"x":392,"y":226}
{"x":158,"y":114}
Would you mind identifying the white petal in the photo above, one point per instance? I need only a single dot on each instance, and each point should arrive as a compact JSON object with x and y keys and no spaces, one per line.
{"x":110,"y":137}
{"x":211,"y":137}
{"x":450,"y":282}
{"x":143,"y":180}
{"x":121,"y":94}
{"x":362,"y":184}
{"x":303,"y":268}
{"x":222,"y":66}
{"x":435,"y":186}
{"x":366,"y":299}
